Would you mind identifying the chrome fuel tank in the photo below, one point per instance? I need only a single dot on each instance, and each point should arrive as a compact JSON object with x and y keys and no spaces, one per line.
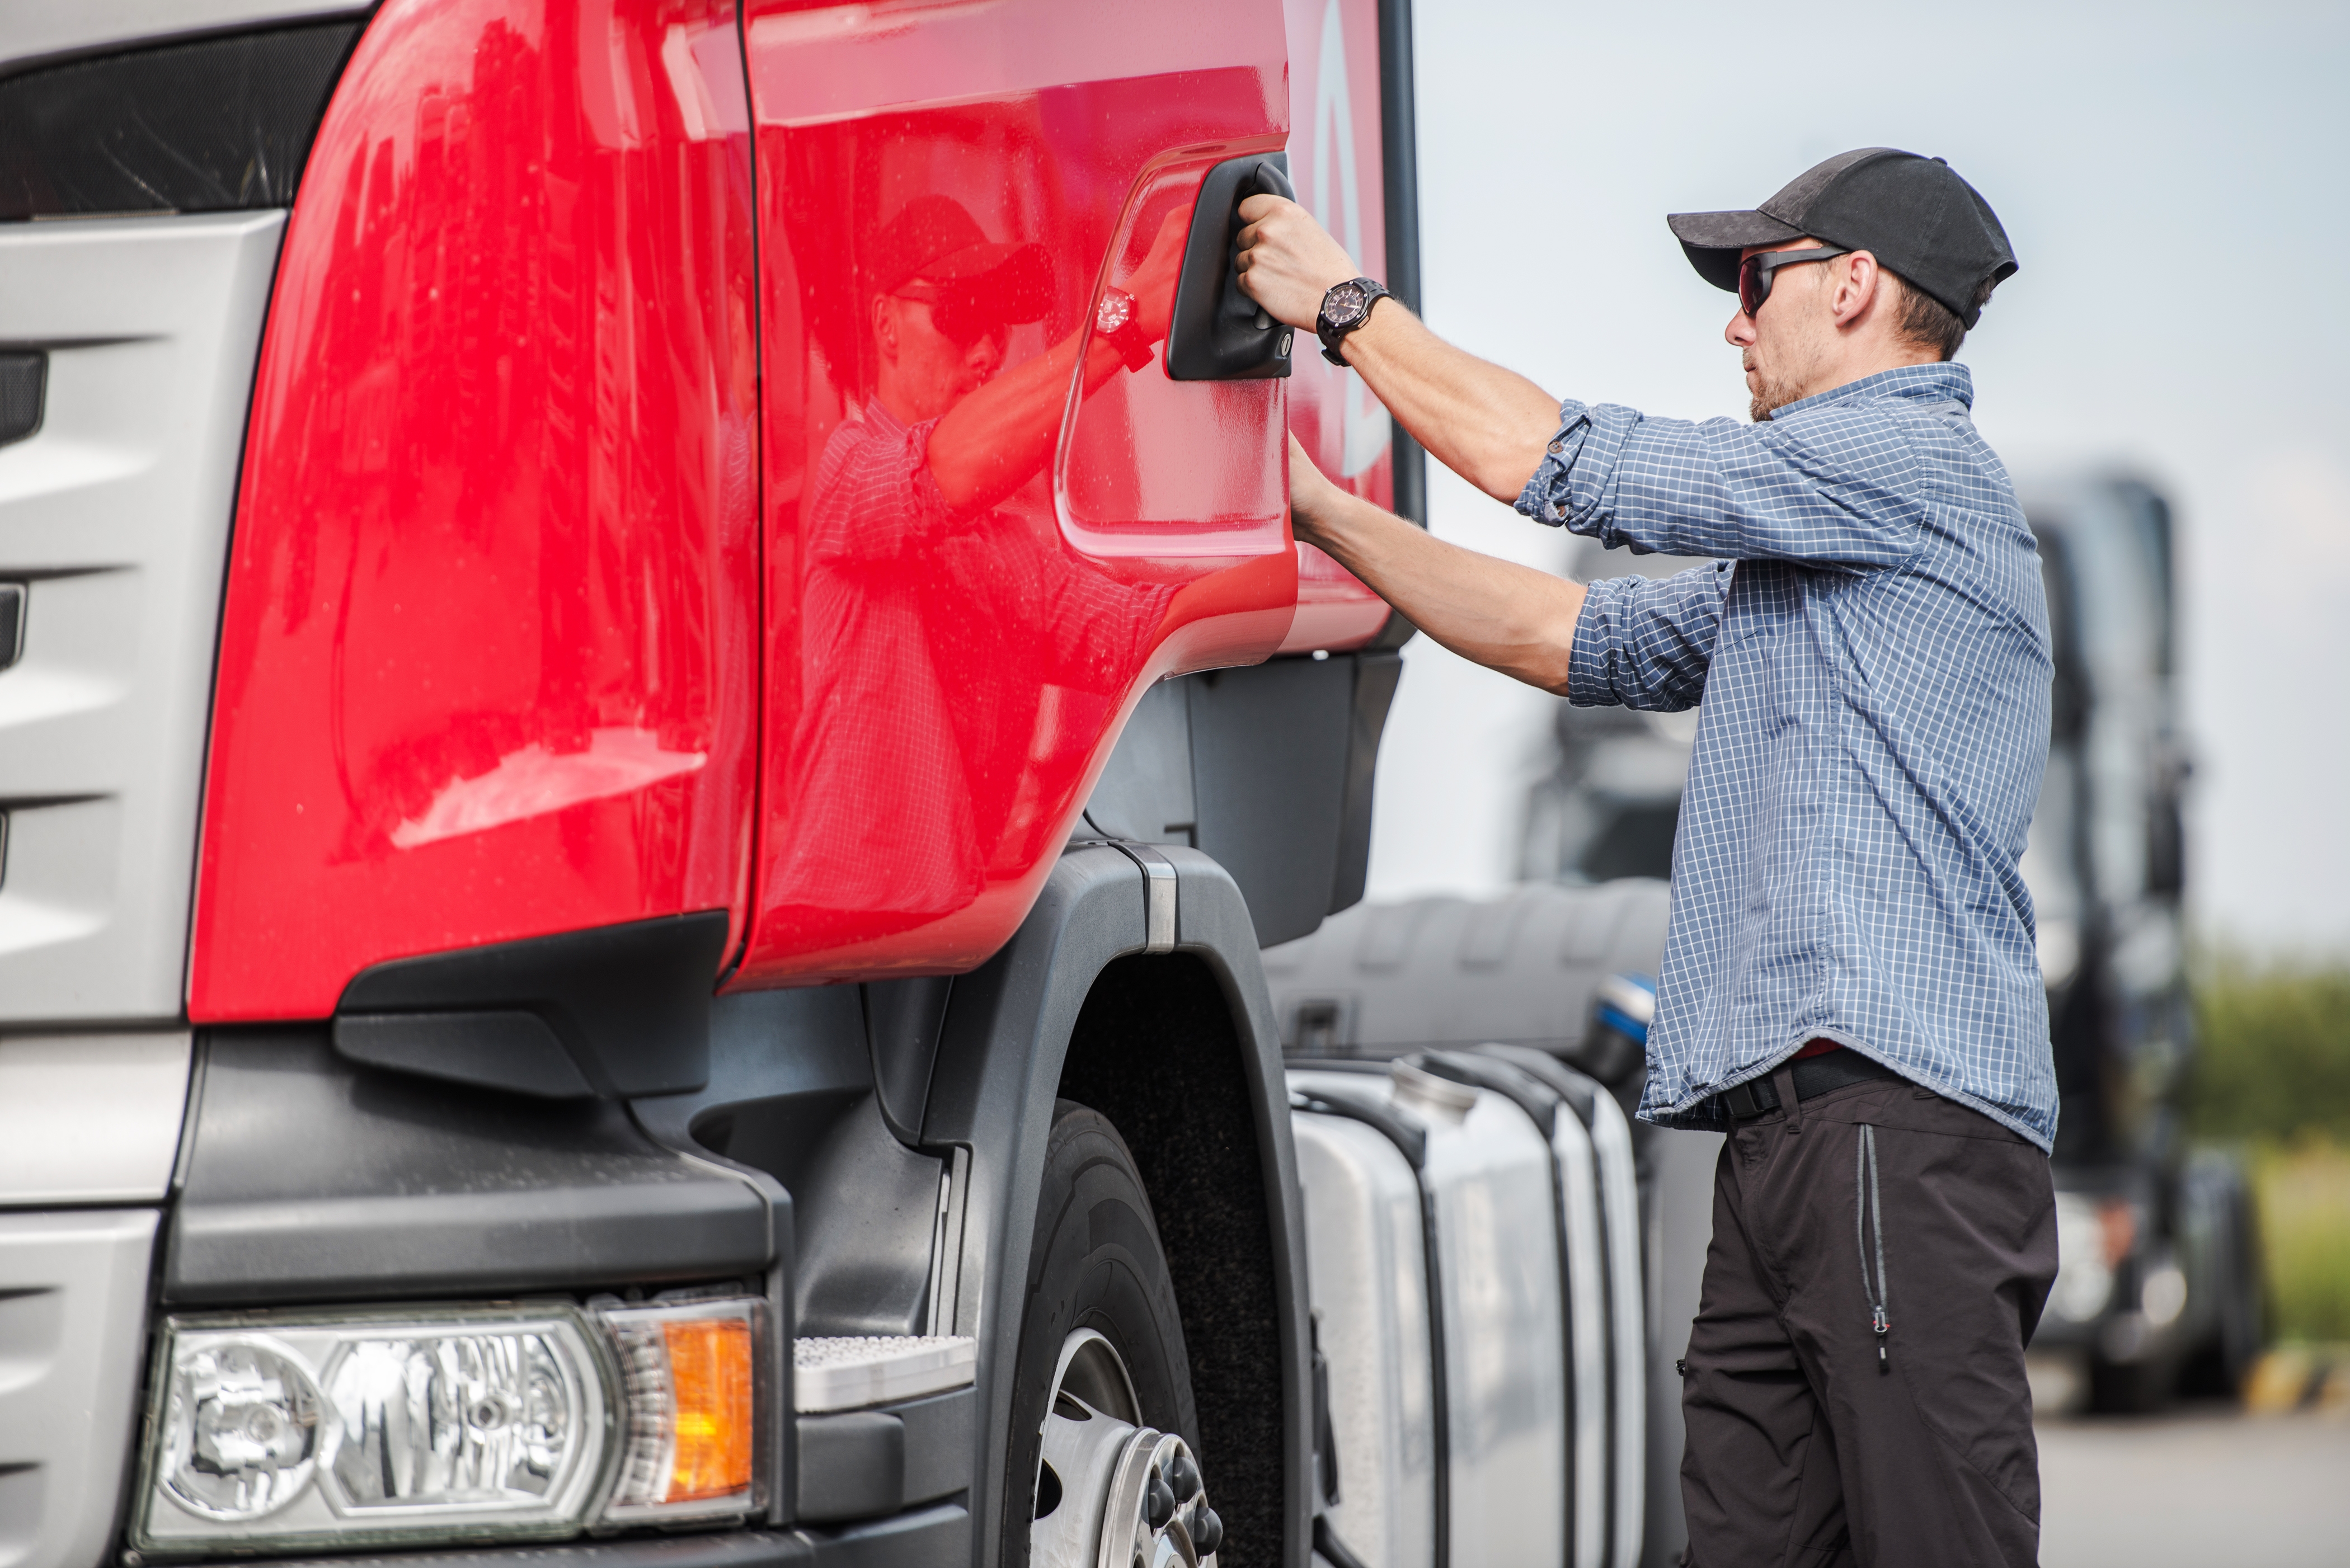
{"x":1482,"y":1177}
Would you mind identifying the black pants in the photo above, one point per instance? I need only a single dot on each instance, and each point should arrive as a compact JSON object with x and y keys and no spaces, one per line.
{"x":1813,"y":1437}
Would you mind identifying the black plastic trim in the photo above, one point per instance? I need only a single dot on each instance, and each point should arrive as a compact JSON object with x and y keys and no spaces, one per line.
{"x":628,"y":1004}
{"x":902,"y":1019}
{"x":222,"y":122}
{"x":770,"y":1050}
{"x":1272,"y":758}
{"x":859,"y":1464}
{"x":311,"y":1180}
{"x":1376,"y":675}
{"x":1399,"y":166}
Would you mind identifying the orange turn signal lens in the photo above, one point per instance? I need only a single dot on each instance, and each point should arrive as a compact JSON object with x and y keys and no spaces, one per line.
{"x":691,"y":1380}
{"x":710,"y":1377}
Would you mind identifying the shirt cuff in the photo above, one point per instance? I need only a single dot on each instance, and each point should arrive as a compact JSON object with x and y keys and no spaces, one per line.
{"x":1589,"y":660}
{"x":1548,"y":496}
{"x":1574,"y":486}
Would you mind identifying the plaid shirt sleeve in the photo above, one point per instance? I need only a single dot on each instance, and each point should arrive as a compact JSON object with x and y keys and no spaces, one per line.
{"x":1836,"y":491}
{"x":1647,"y":643}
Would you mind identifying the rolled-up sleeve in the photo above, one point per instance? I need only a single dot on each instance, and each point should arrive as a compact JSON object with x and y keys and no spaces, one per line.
{"x":1645,"y":642}
{"x":1834,"y":486}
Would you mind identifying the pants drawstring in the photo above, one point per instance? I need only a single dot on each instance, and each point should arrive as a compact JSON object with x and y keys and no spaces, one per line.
{"x":1867,"y":1217}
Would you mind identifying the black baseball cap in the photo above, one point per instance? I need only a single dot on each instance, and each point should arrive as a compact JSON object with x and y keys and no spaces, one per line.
{"x":935,"y":237}
{"x":1914,"y":214}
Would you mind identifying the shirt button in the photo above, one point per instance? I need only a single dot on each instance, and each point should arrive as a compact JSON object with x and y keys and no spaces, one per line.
{"x":1558,"y":446}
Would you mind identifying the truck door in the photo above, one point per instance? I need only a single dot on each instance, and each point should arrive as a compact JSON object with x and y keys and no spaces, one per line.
{"x":991,"y":521}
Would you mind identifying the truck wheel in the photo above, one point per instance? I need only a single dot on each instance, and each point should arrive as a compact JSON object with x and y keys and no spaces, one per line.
{"x":1102,"y":1471}
{"x":2219,"y":1368}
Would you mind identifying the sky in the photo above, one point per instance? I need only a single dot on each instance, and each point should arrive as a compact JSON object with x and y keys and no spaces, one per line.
{"x":2176,"y":182}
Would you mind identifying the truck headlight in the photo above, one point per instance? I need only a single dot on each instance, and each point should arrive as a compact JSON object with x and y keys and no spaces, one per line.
{"x":241,"y":1436}
{"x":286,"y":1431}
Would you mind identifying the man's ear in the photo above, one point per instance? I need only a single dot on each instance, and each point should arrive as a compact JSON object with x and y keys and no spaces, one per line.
{"x":885,"y":329}
{"x":1858,"y":283}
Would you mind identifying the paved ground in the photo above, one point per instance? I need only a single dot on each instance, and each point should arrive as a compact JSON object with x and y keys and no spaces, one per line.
{"x":2207,"y":1488}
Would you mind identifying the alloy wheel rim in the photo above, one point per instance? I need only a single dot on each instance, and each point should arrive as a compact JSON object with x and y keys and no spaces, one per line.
{"x":1111,"y":1492}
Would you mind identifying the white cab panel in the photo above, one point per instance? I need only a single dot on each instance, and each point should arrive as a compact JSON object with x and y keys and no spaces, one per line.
{"x":90,"y":1118}
{"x":73,"y":1308}
{"x":116,"y":515}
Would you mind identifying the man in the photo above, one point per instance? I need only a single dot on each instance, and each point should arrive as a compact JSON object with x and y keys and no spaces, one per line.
{"x":1849,"y":987}
{"x":933,"y":589}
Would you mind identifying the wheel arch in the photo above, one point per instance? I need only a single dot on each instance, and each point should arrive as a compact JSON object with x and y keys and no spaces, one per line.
{"x":1075,"y":1006}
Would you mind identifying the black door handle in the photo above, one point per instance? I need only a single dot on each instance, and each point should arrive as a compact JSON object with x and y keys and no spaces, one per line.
{"x":1217,"y":333}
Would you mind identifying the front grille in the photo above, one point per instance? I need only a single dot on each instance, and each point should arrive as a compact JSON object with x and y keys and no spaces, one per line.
{"x":218,"y":125}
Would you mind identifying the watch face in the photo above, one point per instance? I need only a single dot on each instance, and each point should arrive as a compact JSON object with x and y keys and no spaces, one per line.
{"x":1117,"y":310}
{"x":1343,"y":307}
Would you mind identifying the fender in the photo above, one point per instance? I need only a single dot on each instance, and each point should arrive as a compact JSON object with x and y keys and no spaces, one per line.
{"x":1006,"y":1052}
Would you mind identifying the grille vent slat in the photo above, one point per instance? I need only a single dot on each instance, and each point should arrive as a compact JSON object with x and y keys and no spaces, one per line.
{"x":23,"y":376}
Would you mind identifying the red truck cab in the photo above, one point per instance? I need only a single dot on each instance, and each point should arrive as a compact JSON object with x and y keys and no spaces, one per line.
{"x":656,"y":699}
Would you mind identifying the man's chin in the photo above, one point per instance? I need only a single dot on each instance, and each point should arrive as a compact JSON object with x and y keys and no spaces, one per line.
{"x":1764,"y":399}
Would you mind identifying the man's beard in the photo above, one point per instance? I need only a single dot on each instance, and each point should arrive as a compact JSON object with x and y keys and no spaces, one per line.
{"x":1774,"y":396}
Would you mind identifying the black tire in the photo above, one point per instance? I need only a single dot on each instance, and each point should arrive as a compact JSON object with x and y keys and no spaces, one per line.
{"x":2126,"y":1388}
{"x":2221,"y":1366}
{"x":1095,"y":1262}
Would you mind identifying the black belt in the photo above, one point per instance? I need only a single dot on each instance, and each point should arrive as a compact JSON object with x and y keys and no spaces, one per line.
{"x":1813,"y":1075}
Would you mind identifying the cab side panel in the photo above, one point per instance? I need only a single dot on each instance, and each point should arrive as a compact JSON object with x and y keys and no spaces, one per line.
{"x":486,"y":657}
{"x":945,"y":676}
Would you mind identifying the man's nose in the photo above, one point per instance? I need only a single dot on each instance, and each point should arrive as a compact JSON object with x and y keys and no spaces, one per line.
{"x":1740,"y":333}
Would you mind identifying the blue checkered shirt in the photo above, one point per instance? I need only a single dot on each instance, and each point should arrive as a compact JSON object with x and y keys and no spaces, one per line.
{"x":1869,"y":658}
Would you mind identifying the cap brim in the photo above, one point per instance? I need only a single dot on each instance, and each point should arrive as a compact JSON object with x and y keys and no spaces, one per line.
{"x":970,"y":263}
{"x":1009,"y":282}
{"x":1713,"y":241}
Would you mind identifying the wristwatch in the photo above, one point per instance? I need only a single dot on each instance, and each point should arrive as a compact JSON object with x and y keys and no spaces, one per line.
{"x":1346,"y":306}
{"x":1118,"y":323}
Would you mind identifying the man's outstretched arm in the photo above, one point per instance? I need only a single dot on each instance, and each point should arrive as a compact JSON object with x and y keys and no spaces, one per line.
{"x":1487,"y":424}
{"x":1496,"y":613}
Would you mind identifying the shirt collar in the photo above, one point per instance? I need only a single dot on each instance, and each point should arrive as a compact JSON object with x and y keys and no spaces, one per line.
{"x":881,"y":422}
{"x":1946,"y":382}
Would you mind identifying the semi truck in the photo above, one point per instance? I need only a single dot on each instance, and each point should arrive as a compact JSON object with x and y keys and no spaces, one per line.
{"x":2159,"y":1288}
{"x":656,"y":703}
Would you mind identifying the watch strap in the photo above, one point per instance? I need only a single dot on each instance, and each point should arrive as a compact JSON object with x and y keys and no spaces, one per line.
{"x":1132,"y":344}
{"x":1127,"y":337}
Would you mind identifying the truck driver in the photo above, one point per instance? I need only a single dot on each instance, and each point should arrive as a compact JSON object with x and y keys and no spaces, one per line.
{"x":1849,"y":987}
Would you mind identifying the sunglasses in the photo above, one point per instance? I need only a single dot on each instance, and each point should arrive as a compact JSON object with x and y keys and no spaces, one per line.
{"x":1754,"y":272}
{"x":963,"y":314}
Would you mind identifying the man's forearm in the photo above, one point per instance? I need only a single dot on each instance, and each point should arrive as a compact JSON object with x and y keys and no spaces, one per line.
{"x":1485,"y":423}
{"x":1493,"y":612}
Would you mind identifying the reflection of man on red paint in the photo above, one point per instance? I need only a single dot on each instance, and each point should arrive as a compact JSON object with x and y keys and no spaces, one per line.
{"x":934,"y":599}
